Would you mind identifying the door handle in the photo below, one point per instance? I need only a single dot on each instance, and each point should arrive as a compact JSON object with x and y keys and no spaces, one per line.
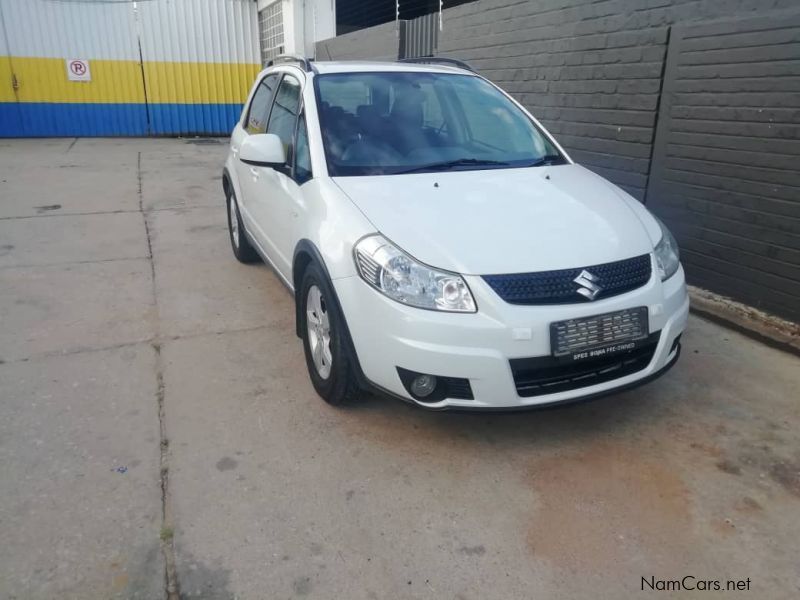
{"x":254,"y":173}
{"x":235,"y":149}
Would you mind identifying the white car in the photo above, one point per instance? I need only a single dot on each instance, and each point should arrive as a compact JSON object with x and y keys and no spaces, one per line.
{"x":441,"y":246}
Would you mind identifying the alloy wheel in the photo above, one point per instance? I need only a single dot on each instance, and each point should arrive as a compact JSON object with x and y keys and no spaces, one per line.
{"x":234,"y":221}
{"x":319,"y":331}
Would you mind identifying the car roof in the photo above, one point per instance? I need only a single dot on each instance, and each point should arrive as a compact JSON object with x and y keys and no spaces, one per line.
{"x":359,"y":66}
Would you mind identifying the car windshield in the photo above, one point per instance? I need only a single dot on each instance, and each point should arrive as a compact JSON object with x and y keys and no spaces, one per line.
{"x":411,"y":122}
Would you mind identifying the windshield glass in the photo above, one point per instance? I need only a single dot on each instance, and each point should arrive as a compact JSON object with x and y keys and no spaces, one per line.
{"x":400,"y":122}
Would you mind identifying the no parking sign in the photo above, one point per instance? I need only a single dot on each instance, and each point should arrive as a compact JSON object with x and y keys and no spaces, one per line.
{"x":78,"y":69}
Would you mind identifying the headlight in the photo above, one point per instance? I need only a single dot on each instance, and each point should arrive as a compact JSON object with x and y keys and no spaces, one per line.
{"x":400,"y":277}
{"x":667,"y":257}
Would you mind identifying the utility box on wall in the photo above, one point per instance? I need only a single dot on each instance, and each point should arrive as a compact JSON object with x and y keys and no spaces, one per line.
{"x":161,"y":67}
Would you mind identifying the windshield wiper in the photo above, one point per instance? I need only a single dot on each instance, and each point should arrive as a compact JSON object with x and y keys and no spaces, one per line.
{"x":450,"y":164}
{"x":547,"y":159}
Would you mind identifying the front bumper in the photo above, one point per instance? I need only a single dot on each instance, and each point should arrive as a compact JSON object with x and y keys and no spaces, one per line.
{"x":478,"y":346}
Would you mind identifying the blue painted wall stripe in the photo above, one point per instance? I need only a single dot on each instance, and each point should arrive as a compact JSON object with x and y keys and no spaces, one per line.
{"x":197,"y":119}
{"x":43,"y":119}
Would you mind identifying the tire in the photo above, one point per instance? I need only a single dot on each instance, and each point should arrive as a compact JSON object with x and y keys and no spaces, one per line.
{"x":331,"y":371}
{"x":242,"y":249}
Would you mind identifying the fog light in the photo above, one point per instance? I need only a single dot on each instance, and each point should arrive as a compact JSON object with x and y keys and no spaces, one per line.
{"x":423,"y":385}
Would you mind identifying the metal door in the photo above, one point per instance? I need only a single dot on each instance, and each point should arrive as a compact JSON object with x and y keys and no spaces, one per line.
{"x":161,"y":67}
{"x":200,"y":59}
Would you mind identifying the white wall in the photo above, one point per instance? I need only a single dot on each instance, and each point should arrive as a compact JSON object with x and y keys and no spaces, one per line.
{"x":319,"y":21}
{"x":305,"y":22}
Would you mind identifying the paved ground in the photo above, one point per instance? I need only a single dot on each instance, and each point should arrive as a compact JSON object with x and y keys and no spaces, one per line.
{"x":133,"y":345}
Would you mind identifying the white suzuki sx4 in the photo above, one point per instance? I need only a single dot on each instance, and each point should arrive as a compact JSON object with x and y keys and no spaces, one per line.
{"x":441,"y":246}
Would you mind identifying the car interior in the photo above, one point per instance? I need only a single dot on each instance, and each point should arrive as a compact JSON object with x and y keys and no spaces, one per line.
{"x":385,"y":120}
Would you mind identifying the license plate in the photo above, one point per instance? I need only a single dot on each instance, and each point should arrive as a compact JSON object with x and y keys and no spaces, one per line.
{"x":599,"y":336}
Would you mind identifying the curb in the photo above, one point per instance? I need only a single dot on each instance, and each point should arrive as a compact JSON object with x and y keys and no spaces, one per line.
{"x":769,"y":329}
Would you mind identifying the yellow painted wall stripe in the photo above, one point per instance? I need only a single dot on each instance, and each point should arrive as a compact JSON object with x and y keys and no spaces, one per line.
{"x":201,"y":83}
{"x":6,"y":91}
{"x":118,"y":81}
{"x":45,"y":80}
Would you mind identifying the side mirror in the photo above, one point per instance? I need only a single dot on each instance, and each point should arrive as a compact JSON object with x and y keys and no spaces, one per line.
{"x":263,"y":150}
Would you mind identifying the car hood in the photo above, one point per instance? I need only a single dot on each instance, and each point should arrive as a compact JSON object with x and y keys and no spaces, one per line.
{"x":503,"y":220}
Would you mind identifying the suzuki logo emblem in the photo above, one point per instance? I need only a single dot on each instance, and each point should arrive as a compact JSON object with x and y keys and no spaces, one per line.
{"x":588,"y":288}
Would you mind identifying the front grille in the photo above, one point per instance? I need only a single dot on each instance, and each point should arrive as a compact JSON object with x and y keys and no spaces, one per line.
{"x":547,"y":375}
{"x":559,"y":287}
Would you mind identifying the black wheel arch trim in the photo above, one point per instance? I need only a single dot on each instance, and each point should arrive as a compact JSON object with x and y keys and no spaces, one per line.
{"x":306,"y":246}
{"x":227,"y":182}
{"x":226,"y":177}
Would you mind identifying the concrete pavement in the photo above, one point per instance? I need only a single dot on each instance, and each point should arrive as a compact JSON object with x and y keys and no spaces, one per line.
{"x":158,"y":430}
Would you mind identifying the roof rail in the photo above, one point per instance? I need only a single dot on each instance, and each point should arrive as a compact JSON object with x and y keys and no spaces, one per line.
{"x":305,"y":63}
{"x":432,"y":60}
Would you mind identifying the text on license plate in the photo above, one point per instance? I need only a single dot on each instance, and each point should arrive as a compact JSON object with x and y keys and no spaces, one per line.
{"x":599,"y":335}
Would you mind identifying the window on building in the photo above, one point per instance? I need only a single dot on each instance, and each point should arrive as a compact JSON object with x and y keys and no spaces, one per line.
{"x":270,"y":31}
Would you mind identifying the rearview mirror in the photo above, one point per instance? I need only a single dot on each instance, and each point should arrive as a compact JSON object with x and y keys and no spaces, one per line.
{"x":263,"y":150}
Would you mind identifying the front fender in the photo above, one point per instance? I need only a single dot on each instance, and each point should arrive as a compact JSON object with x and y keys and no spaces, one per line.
{"x":330,"y":224}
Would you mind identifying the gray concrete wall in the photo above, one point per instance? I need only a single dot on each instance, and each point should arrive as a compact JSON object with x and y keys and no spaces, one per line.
{"x":724,"y":173}
{"x":375,"y":43}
